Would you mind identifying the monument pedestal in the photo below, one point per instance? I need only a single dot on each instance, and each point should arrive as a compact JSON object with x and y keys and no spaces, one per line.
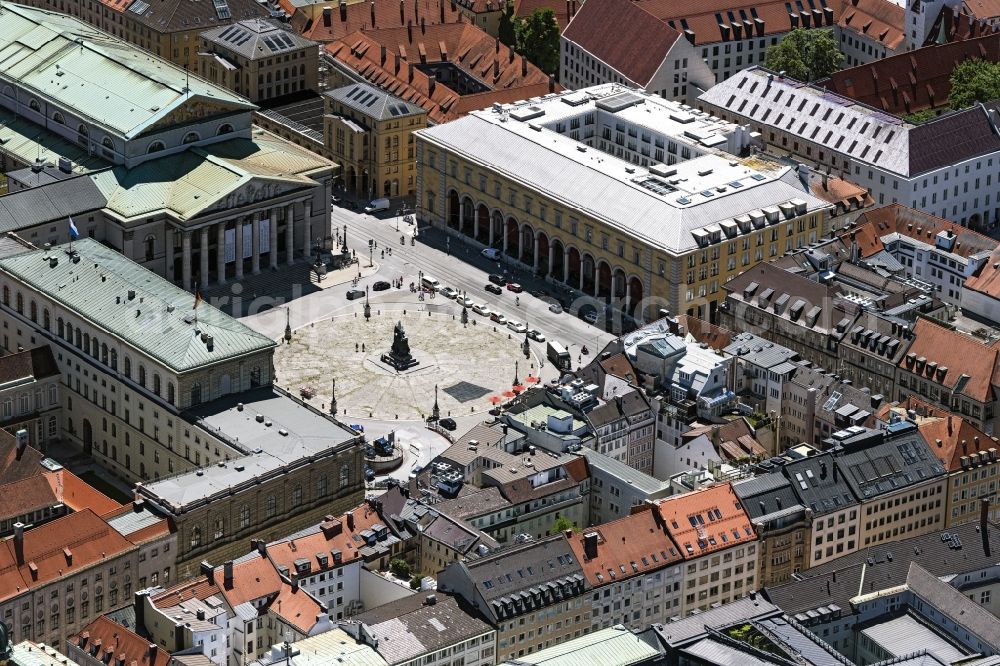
{"x":399,"y":357}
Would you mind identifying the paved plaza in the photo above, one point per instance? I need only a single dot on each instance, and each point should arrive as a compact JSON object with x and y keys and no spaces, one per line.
{"x":471,"y":365}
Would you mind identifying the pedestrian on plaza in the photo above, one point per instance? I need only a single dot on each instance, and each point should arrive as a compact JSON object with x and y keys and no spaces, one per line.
{"x":383,"y":254}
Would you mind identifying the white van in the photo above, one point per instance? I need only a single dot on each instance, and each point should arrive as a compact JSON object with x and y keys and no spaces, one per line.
{"x":492,"y":253}
{"x":377,"y":205}
{"x":427,"y":282}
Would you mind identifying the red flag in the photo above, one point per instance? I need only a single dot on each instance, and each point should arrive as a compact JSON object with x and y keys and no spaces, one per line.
{"x":197,"y":298}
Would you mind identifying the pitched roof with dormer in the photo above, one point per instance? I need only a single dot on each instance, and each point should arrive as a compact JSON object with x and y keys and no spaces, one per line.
{"x":706,"y":520}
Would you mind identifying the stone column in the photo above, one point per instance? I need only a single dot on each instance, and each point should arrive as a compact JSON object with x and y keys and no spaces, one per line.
{"x":461,"y":214}
{"x":534,"y":252}
{"x":492,"y":236}
{"x":552,"y":256}
{"x":581,"y":270}
{"x":272,"y":239}
{"x":290,"y":233}
{"x":203,"y":251}
{"x":255,"y":249}
{"x":504,"y":236}
{"x":307,"y":213}
{"x":186,"y":260}
{"x":239,"y":248}
{"x":475,"y":224}
{"x":220,"y":257}
{"x":170,"y":252}
{"x":597,"y":279}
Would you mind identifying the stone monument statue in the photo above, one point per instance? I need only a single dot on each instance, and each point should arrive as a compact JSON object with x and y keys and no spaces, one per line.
{"x":399,"y":355}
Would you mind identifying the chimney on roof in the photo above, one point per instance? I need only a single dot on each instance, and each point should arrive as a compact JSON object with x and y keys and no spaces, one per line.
{"x":524,"y":66}
{"x":402,"y":12}
{"x":295,"y":581}
{"x":373,"y":13}
{"x":496,"y":69}
{"x":328,"y":15}
{"x":350,"y":514}
{"x":498,"y":45}
{"x":590,"y":545}
{"x":510,"y":56}
{"x":423,"y":25}
{"x":395,"y":57}
{"x":382,"y":54}
{"x":409,"y":31}
{"x":22,"y":443}
{"x":139,"y":603}
{"x":573,"y":12}
{"x":152,"y":653}
{"x":965,"y":446}
{"x":19,"y":542}
{"x":343,"y":11}
{"x":409,"y":76}
{"x":431,"y":84}
{"x":262,"y":547}
{"x":227,"y":574}
{"x":442,"y":11}
{"x":208,"y":571}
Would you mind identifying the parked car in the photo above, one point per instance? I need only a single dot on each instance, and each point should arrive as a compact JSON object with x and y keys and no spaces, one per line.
{"x":481,"y":309}
{"x":514,"y":287}
{"x":494,"y":289}
{"x":354,"y":293}
{"x":381,"y":285}
{"x":464,"y":300}
{"x":555,"y":308}
{"x":448,"y":423}
{"x":517,"y":326}
{"x":448,"y":292}
{"x":377,"y":205}
{"x":369,"y":474}
{"x":491,"y":253}
{"x":497,"y":279}
{"x":590,"y":317}
{"x":536,"y":335}
{"x":357,"y":427}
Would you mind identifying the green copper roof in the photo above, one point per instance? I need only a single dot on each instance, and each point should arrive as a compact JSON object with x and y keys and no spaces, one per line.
{"x":157,"y":320}
{"x":100,"y":77}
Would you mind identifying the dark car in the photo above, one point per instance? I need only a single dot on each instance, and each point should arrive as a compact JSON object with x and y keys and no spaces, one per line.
{"x":448,"y":424}
{"x":494,"y":289}
{"x":498,"y":279}
{"x":381,"y":285}
{"x":354,"y":293}
{"x":369,"y":473}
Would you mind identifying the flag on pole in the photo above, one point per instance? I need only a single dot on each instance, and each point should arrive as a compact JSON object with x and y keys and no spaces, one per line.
{"x":197,"y":298}
{"x":74,"y":233}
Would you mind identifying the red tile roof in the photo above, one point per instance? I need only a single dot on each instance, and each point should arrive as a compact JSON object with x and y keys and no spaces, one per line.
{"x":37,"y":363}
{"x":987,"y":279}
{"x":118,"y":643}
{"x":912,"y":81}
{"x":194,"y":588}
{"x":77,"y":494}
{"x":916,"y":224}
{"x":510,"y":76}
{"x":630,"y":546}
{"x":25,"y":496}
{"x":982,"y":9}
{"x":716,"y":337}
{"x":297,"y":608}
{"x":951,"y":438}
{"x":879,"y":20}
{"x":58,"y":548}
{"x":253,"y":578}
{"x":14,"y":467}
{"x":706,"y":520}
{"x":49,"y":488}
{"x":619,"y":366}
{"x":334,"y":534}
{"x":638,"y":53}
{"x":352,"y":17}
{"x":525,"y":8}
{"x":967,"y":363}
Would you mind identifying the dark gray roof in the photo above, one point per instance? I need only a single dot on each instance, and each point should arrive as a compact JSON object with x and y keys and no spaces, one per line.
{"x":962,"y":611}
{"x":886,"y":565}
{"x":819,"y":485}
{"x":175,"y":15}
{"x":896,"y":462}
{"x":951,"y":139}
{"x":421,"y":624}
{"x":40,"y":175}
{"x":257,"y":38}
{"x":767,"y":494}
{"x":759,"y":351}
{"x":49,"y":203}
{"x":802,"y":642}
{"x":516,"y":569}
{"x":374,"y":102}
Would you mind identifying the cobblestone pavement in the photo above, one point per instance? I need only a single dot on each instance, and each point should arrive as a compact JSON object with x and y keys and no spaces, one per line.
{"x":468,"y":364}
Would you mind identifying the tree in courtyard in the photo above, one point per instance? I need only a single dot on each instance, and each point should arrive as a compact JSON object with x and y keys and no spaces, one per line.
{"x":537,"y":37}
{"x":561,"y":524}
{"x":806,"y":55}
{"x":399,"y":568}
{"x":506,"y":28}
{"x":972,"y":81}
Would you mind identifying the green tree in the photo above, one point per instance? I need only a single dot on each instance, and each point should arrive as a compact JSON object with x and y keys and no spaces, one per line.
{"x":562,"y":524}
{"x":537,"y":37}
{"x":399,"y":568}
{"x":415,"y":583}
{"x":972,"y":81}
{"x":506,"y":29}
{"x":806,"y":55}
